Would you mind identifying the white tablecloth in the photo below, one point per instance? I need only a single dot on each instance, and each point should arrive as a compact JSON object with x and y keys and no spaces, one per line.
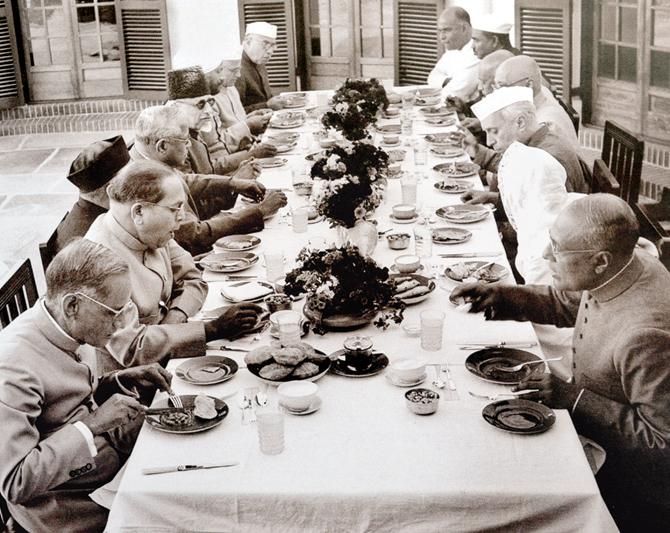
{"x":364,"y":462}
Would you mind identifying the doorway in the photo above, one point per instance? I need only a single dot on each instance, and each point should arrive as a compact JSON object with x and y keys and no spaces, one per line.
{"x":71,"y":49}
{"x":348,"y":38}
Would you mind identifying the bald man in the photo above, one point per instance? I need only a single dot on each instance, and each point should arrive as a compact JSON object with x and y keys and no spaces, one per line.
{"x":620,"y":397}
{"x":456,"y":70}
{"x":523,"y":71}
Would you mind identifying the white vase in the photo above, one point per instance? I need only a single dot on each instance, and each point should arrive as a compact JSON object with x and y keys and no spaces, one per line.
{"x":363,"y":235}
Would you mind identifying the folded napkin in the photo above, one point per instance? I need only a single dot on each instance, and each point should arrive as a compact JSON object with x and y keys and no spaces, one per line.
{"x":246,"y":292}
{"x":280,"y":178}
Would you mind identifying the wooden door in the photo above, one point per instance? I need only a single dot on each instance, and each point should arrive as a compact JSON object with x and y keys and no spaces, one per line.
{"x":47,"y":42}
{"x":11,"y":90}
{"x":348,"y":38}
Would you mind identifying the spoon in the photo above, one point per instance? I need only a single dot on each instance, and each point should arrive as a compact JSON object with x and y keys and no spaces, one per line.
{"x":262,"y":398}
{"x":438,"y":382}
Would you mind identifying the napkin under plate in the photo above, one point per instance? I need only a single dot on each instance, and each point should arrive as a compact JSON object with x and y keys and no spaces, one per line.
{"x":249,"y":291}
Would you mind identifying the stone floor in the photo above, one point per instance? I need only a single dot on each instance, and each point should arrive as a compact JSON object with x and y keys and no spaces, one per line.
{"x":35,"y":194}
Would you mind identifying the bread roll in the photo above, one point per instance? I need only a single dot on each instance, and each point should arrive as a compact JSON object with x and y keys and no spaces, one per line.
{"x":275,"y":371}
{"x":205,"y":407}
{"x":305,"y":370}
{"x":259,"y":355}
{"x":289,"y":355}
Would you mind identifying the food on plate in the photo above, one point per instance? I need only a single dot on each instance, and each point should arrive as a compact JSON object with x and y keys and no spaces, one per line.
{"x":421,"y":396}
{"x":275,"y":371}
{"x":407,"y":285}
{"x":487,"y":274}
{"x":476,"y":271}
{"x":447,"y":234}
{"x":176,"y":418}
{"x":204,"y":407}
{"x":276,"y":363}
{"x":259,"y":355}
{"x":238,"y":245}
{"x":289,"y":355}
{"x":414,"y":292}
{"x":305,"y":370}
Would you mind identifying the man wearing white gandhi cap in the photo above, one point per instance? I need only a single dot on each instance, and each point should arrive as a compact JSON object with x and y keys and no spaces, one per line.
{"x":489,"y":34}
{"x":259,"y":43}
{"x":241,"y":127}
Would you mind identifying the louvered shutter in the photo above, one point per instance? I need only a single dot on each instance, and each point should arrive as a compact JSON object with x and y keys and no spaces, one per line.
{"x":145,"y":48}
{"x":417,"y":48}
{"x":11,"y":92}
{"x":544,"y":32}
{"x":282,"y":66}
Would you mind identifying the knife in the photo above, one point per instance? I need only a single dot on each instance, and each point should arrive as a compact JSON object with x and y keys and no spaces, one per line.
{"x":471,"y":254}
{"x":164,"y":410}
{"x":185,"y":468}
{"x":479,"y":346}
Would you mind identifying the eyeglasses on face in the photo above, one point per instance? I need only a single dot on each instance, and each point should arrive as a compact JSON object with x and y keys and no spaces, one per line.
{"x":175,"y":210}
{"x":179,"y":140}
{"x":117,"y":313}
{"x":557,"y":253}
{"x":498,"y":85}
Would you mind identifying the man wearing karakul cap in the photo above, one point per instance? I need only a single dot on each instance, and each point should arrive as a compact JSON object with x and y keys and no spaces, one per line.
{"x":90,"y":172}
{"x":259,"y":43}
{"x":490,"y":34}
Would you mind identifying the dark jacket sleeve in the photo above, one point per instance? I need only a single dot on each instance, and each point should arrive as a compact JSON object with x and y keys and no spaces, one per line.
{"x":537,"y":303}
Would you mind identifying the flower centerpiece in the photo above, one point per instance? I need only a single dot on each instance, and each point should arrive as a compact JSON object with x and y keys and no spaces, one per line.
{"x":344,"y":289}
{"x":354,"y":175}
{"x":354,"y":107}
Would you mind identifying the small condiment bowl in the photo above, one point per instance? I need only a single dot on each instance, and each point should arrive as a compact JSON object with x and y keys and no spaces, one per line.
{"x":297,"y":395}
{"x":408,"y":369}
{"x":422,"y":401}
{"x":303,"y":189}
{"x":413,"y":329}
{"x":406,"y":264}
{"x":391,"y":139}
{"x":327,"y":143}
{"x":404,"y":211}
{"x":398,"y":241}
{"x":278,"y":302}
{"x":392,"y":111}
{"x":395,"y":169}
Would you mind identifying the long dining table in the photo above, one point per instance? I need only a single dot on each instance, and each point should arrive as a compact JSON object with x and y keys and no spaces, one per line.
{"x":363,"y":461}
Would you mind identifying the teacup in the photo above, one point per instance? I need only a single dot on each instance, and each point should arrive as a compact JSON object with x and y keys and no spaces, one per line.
{"x":358,"y":351}
{"x":391,"y":139}
{"x":406,"y":264}
{"x":392,"y":111}
{"x":408,"y":369}
{"x":404,"y":211}
{"x":297,"y":395}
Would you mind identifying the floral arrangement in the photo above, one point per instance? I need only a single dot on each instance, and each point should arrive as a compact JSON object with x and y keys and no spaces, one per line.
{"x":354,"y":182}
{"x":354,"y":107}
{"x":341,"y":281}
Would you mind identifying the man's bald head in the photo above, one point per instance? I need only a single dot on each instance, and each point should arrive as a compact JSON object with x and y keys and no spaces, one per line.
{"x":453,"y":28}
{"x":519,"y":71}
{"x":488,"y":67}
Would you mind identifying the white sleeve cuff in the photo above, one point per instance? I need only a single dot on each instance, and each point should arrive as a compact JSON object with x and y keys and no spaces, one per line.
{"x":88,"y":436}
{"x":574,"y":405}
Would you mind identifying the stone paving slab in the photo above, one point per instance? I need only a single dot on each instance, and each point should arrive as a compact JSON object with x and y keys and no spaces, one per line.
{"x":59,"y":162}
{"x":11,"y":143}
{"x":69,"y":140}
{"x":23,"y":161}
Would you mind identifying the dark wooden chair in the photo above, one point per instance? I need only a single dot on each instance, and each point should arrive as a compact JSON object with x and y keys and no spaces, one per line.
{"x":623,"y":154}
{"x":18,"y":294}
{"x":603,"y":180}
{"x":654,"y":219}
{"x":572,"y":113}
{"x":48,"y":249}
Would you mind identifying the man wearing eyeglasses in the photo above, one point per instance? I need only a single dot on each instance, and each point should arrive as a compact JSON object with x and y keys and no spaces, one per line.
{"x":161,"y":134}
{"x":260,"y":42}
{"x":147,"y":202}
{"x":67,"y":429}
{"x":620,"y":397}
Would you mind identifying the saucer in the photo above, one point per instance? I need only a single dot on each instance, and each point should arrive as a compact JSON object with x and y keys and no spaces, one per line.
{"x":404,"y":220}
{"x":390,"y":145}
{"x":395,"y":380}
{"x":343,"y":369}
{"x":313,"y":407}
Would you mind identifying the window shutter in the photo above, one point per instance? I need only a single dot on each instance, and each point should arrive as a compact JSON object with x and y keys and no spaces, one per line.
{"x":416,"y":47}
{"x":282,"y":66}
{"x":11,"y":91}
{"x":544,"y":32}
{"x":145,"y":48}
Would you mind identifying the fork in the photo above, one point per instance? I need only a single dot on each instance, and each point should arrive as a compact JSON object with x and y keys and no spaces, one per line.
{"x":176,"y":401}
{"x":494,"y":397}
{"x":518,"y":367}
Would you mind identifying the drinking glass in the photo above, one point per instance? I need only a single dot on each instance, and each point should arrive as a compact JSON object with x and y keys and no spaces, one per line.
{"x":288,"y":326}
{"x":407,"y":101}
{"x":274,"y":265}
{"x":299,"y":216}
{"x":270,"y":432}
{"x":406,"y":125}
{"x":432,"y":324}
{"x":423,"y":243}
{"x":420,"y":153}
{"x":408,"y":186}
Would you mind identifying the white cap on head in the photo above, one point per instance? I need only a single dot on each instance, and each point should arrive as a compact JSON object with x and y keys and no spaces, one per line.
{"x":500,"y":99}
{"x":231,"y":53}
{"x":262,"y":28}
{"x":491,"y":24}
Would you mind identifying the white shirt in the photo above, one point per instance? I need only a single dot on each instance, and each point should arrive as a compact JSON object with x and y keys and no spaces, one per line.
{"x":460,"y":68}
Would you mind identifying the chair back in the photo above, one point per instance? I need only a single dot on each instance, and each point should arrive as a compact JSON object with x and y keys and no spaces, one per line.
{"x":652,"y":218}
{"x":572,"y":113}
{"x":603,"y":180}
{"x":48,"y":249}
{"x":623,"y":153}
{"x":18,"y":294}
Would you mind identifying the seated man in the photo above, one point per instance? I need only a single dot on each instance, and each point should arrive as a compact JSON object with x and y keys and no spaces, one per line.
{"x":489,"y":34}
{"x":523,"y":71}
{"x":240,"y":126}
{"x":90,"y":172}
{"x":456,"y":71}
{"x":189,"y":88}
{"x":146,"y":208}
{"x":260,"y":41}
{"x":161,"y":134}
{"x":508,"y":115}
{"x":621,"y":346}
{"x":67,"y":430}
